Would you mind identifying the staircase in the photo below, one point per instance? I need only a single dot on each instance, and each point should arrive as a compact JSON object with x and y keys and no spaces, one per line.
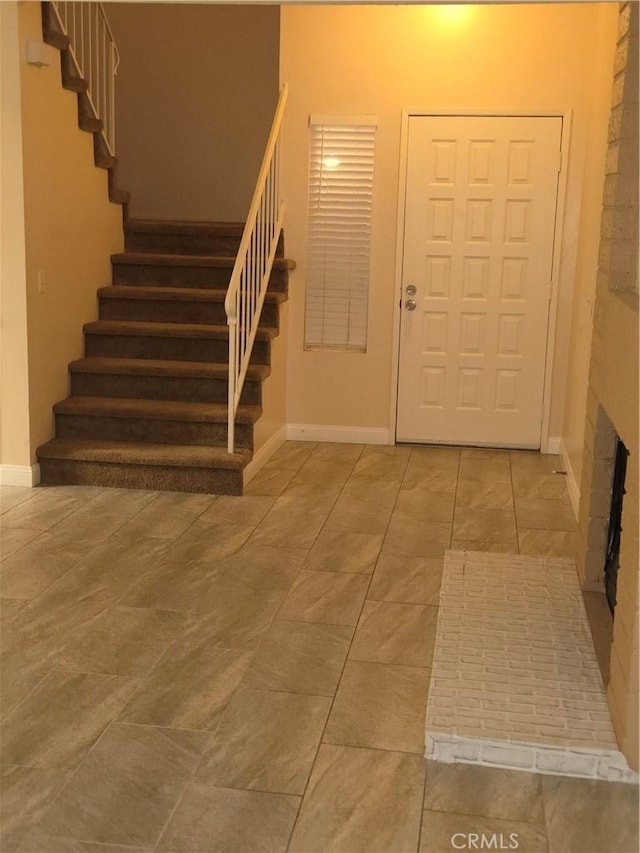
{"x":148,"y":403}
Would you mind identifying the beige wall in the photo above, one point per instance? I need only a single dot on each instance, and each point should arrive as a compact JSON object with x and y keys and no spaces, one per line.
{"x":382,"y":60}
{"x":196,"y":91}
{"x":14,"y":377}
{"x":71,"y":228}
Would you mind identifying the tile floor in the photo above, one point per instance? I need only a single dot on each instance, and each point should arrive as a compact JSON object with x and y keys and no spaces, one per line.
{"x":191,"y":673}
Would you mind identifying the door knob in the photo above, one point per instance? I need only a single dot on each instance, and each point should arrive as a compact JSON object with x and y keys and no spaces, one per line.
{"x":410,"y":290}
{"x":410,"y":304}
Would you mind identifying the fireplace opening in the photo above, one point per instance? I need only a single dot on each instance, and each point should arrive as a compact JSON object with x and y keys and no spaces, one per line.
{"x":612,"y":558}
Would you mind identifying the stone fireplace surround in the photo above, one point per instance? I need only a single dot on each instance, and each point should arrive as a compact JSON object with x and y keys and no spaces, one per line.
{"x":612,"y":401}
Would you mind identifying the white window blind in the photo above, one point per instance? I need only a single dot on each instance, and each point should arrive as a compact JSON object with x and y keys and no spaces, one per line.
{"x":341,"y":161}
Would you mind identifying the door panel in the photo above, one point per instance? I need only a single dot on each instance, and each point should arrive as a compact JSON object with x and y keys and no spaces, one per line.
{"x":478,"y":243}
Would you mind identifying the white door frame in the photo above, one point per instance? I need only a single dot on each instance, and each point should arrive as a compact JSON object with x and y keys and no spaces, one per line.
{"x":566,"y":115}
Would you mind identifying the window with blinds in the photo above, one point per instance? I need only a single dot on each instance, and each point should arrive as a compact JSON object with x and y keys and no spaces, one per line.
{"x":341,"y":161}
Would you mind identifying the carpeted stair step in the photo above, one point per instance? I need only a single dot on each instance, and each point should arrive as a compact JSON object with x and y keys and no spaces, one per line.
{"x":167,"y":270}
{"x":142,"y":378}
{"x":168,"y":341}
{"x":175,"y":305}
{"x":186,"y":238}
{"x":155,"y":421}
{"x":162,"y":467}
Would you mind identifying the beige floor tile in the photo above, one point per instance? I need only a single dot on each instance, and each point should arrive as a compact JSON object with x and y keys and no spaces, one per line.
{"x":126,"y":790}
{"x":246,"y":510}
{"x":269,"y":481}
{"x":175,"y":585}
{"x":41,"y":512}
{"x":209,"y":541}
{"x":232,"y":615}
{"x":169,"y":515}
{"x":92,"y":585}
{"x":416,"y":539}
{"x":25,"y":795}
{"x":14,"y":538}
{"x":419,"y":481}
{"x":484,"y":545}
{"x":430,"y":506}
{"x":86,"y":528}
{"x":329,"y":451}
{"x":278,"y":530}
{"x":266,"y":741}
{"x":219,"y":819}
{"x":291,"y":455}
{"x":443,"y":833}
{"x":263,"y":567}
{"x":59,"y":721}
{"x":435,"y":457}
{"x":11,"y":496}
{"x":352,"y":516}
{"x":584,"y":815}
{"x":301,"y":658}
{"x":380,"y":467}
{"x":380,"y":706}
{"x":395,"y":633}
{"x":122,"y":641}
{"x":123,"y":502}
{"x":335,"y":551}
{"x":533,"y":462}
{"x":547,"y":543}
{"x":332,"y":598}
{"x":22,"y":667}
{"x":399,"y":451}
{"x":409,"y":580}
{"x":360,"y":801}
{"x":549,"y":487}
{"x":322,"y":492}
{"x":485,"y":525}
{"x":39,"y":842}
{"x":378,"y":492}
{"x":189,"y":688}
{"x":8,"y":608}
{"x":536,"y":514}
{"x":484,"y":791}
{"x":484,"y":495}
{"x":32,"y":569}
{"x":487,"y":470}
{"x":321,"y":471}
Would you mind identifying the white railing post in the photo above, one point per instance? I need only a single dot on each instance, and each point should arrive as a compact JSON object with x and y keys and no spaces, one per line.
{"x":95,"y":55}
{"x":254,"y":261}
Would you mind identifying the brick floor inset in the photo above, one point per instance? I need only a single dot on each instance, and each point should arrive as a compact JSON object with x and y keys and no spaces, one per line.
{"x":515,"y":680}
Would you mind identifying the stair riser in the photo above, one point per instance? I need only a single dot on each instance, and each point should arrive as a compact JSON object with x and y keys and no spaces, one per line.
{"x":176,"y":311}
{"x":220,"y":245}
{"x":209,"y":481}
{"x":168,"y":349}
{"x":161,"y":275}
{"x":154,"y":431}
{"x":184,"y":389}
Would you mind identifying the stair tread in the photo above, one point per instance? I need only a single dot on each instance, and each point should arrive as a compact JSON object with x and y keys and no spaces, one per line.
{"x":179,"y":294}
{"x":181,"y":226}
{"x":168,"y":330}
{"x":176,"y":410}
{"x":180,"y":260}
{"x":134,"y":453}
{"x":158,"y":367}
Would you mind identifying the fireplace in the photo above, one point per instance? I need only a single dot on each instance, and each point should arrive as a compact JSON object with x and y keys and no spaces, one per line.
{"x":612,"y":557}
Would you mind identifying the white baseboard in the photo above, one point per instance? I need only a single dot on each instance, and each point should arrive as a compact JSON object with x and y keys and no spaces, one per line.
{"x":572,"y":486}
{"x":552,"y":445}
{"x":264,"y":454}
{"x":19,"y":475}
{"x":341,"y":434}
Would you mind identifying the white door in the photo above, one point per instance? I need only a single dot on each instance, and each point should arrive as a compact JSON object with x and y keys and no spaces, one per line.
{"x":478,"y":243}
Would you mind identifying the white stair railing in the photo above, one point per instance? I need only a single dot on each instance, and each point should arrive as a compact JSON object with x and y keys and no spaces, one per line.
{"x":250,"y":276}
{"x":94,"y":52}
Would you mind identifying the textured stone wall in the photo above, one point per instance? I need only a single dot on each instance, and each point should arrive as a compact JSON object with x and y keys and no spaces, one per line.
{"x":612,"y":399}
